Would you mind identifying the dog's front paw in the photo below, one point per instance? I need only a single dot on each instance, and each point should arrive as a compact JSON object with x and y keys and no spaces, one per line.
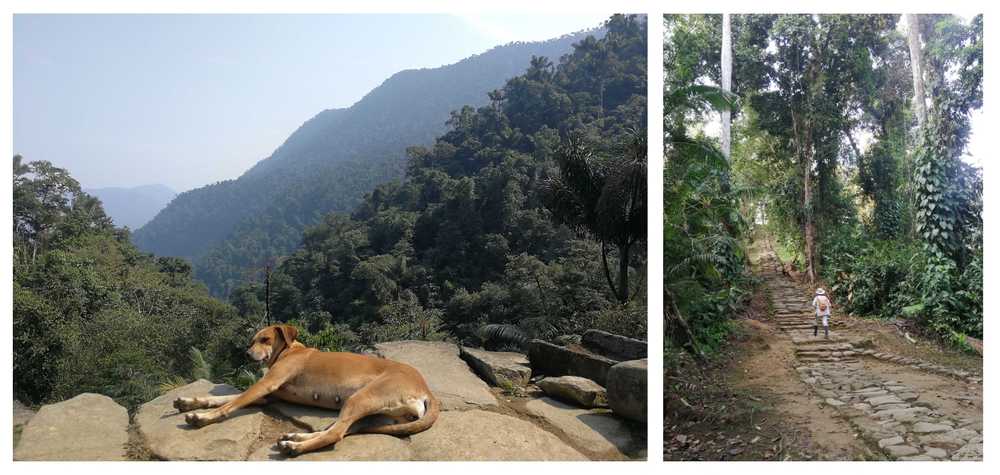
{"x":289,"y":448}
{"x":196,"y":419}
{"x":184,"y":404}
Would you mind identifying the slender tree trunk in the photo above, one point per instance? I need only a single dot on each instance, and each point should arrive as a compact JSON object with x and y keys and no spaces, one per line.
{"x":810,"y":227}
{"x":607,"y":269}
{"x":917,"y":68}
{"x":623,"y":251}
{"x":727,"y":86}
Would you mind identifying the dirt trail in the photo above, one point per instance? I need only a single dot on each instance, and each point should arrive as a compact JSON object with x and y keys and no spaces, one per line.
{"x":898,"y":407}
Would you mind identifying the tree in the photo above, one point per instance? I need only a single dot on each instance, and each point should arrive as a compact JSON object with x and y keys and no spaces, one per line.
{"x":916,"y":67}
{"x":727,"y":78}
{"x":605,"y":196}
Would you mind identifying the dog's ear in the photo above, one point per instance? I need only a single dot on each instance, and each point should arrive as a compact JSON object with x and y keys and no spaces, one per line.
{"x":288,"y":333}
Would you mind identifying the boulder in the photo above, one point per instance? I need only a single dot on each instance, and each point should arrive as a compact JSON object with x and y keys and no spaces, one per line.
{"x":22,"y":414}
{"x":168,"y":437}
{"x":359,"y":447}
{"x":627,"y":389}
{"x":495,"y":367}
{"x":86,"y":427}
{"x":554,"y":360}
{"x":575,"y":390}
{"x":598,"y":433}
{"x":477,"y":435}
{"x":614,"y":346}
{"x":449,"y":378}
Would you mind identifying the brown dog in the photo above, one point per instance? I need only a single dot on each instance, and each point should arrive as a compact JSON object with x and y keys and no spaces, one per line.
{"x":392,"y":397}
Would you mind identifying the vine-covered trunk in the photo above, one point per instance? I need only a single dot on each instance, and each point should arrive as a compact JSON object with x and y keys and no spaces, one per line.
{"x":916,"y":67}
{"x":810,"y":227}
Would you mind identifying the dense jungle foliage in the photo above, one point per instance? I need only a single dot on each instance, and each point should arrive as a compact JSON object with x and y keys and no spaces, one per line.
{"x":833,"y":161}
{"x":230,"y":230}
{"x":94,"y":314}
{"x":523,"y":220}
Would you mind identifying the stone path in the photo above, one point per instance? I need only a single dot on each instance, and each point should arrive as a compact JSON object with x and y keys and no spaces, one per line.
{"x":894,"y":417}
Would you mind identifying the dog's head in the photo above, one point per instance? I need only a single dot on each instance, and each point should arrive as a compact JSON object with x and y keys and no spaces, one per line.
{"x":271,"y":341}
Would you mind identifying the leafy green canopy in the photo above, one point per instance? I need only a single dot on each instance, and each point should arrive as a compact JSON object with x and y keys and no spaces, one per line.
{"x":896,"y":225}
{"x":466,"y":245}
{"x":705,"y":273}
{"x":92,"y":313}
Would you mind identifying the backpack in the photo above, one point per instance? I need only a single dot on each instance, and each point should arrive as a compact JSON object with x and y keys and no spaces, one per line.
{"x":823,"y":304}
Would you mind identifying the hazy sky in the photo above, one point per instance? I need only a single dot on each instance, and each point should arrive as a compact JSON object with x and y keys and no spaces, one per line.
{"x":187,"y":100}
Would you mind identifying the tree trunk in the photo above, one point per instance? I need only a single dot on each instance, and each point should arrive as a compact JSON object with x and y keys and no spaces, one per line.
{"x":810,"y":226}
{"x":727,"y":86}
{"x":607,"y":270}
{"x":623,"y":251}
{"x":917,"y":68}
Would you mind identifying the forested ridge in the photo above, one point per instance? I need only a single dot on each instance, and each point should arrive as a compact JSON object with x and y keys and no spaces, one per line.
{"x":232,"y":229}
{"x":526,"y":219}
{"x":469,"y":244}
{"x":849,"y":133}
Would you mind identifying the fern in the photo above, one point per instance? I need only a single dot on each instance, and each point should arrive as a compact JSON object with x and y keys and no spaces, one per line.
{"x":504,"y":333}
{"x":172,"y":383}
{"x":200,"y":367}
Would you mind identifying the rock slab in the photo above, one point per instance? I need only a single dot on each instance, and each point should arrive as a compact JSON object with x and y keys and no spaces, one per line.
{"x":477,"y":435}
{"x":575,"y":390}
{"x":359,"y":447}
{"x":615,"y":346}
{"x":627,"y":383}
{"x":498,"y":368}
{"x":598,"y":433}
{"x":168,"y":437}
{"x":553,"y":360}
{"x":450,"y":379}
{"x":86,"y":427}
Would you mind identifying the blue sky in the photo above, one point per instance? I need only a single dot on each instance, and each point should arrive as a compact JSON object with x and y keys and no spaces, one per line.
{"x":187,"y":100}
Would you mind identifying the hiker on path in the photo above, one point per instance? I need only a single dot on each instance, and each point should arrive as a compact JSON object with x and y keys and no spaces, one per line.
{"x":822,"y":305}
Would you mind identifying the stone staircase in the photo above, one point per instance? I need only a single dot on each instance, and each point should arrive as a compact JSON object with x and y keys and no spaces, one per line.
{"x":887,"y":414}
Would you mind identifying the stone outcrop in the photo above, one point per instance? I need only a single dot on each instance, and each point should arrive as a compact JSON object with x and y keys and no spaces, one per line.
{"x":575,"y":390}
{"x":87,"y":427}
{"x":595,"y":432}
{"x":627,"y":386}
{"x":358,"y":447}
{"x":481,"y":435}
{"x":167,"y":436}
{"x":618,"y":347}
{"x":471,"y":426}
{"x":447,"y":375}
{"x":554,"y":360}
{"x":498,"y":368}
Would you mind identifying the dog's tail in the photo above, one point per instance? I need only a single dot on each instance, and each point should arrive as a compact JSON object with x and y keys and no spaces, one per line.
{"x":409,"y":428}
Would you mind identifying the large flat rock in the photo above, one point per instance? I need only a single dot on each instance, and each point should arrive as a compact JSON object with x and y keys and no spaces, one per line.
{"x":627,"y":386}
{"x":488,"y":436}
{"x":87,"y":427}
{"x":360,"y":447}
{"x":598,"y":433}
{"x":615,"y":346}
{"x":312,"y":418}
{"x":579,"y":391}
{"x":450,"y":379}
{"x":555,"y":360}
{"x":168,"y":437}
{"x":498,"y":367}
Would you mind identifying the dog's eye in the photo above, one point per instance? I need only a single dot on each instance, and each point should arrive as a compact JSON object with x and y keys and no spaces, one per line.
{"x":265,"y":340}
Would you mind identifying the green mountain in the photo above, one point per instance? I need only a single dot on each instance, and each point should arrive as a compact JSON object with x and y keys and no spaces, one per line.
{"x":133,"y":207}
{"x":230,"y":229}
{"x":526,"y":219}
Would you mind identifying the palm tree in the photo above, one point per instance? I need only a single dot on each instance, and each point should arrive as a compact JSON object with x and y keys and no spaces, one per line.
{"x":606,"y":196}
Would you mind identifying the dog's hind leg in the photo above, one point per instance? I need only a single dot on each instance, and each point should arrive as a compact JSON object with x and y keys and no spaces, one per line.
{"x":184,"y":404}
{"x":365,"y":402}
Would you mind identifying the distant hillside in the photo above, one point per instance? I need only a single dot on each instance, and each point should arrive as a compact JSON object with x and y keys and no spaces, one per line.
{"x":229,"y":229}
{"x":133,"y":207}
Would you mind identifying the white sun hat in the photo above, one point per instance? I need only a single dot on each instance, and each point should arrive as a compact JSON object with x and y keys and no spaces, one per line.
{"x":820,"y":291}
